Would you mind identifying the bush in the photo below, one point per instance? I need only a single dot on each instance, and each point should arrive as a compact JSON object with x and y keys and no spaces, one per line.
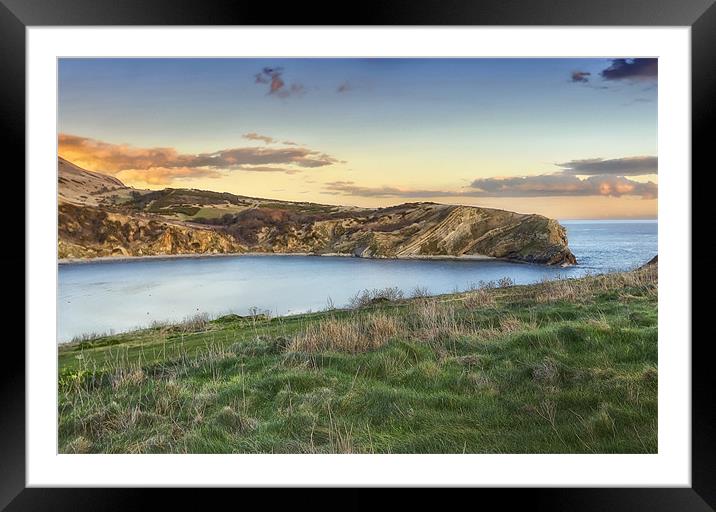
{"x":375,"y":296}
{"x":420,"y":292}
{"x":505,"y":282}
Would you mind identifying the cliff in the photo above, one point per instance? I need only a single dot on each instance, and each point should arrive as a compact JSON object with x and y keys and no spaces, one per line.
{"x":105,"y":218}
{"x":85,"y":232}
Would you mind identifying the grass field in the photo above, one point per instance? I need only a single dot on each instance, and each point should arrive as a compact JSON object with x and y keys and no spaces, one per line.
{"x":567,"y":366}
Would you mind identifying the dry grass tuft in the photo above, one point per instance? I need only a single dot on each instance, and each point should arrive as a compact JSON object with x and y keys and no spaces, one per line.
{"x":429,"y":320}
{"x":510,"y":324}
{"x":479,"y":299}
{"x":196,"y":323}
{"x":600,"y":323}
{"x":78,"y":445}
{"x":643,"y":281}
{"x":469,"y":360}
{"x":560,"y":289}
{"x":437,"y":321}
{"x":126,"y":377}
{"x":230,"y":419}
{"x":356,"y":334}
{"x":545,"y":371}
{"x":478,"y":380}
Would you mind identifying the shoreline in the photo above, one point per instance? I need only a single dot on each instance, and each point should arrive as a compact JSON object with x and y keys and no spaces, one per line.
{"x":75,"y":340}
{"x":122,"y":259}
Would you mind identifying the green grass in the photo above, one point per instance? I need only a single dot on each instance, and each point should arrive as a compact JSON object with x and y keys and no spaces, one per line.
{"x":560,"y":367}
{"x":214,"y":213}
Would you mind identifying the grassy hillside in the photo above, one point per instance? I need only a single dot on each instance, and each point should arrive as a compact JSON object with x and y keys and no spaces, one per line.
{"x":564,"y":366}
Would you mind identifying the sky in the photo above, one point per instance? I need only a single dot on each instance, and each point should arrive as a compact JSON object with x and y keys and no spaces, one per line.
{"x":566,"y":138}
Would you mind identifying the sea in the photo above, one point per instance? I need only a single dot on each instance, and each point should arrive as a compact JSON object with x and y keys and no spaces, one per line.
{"x":106,"y":297}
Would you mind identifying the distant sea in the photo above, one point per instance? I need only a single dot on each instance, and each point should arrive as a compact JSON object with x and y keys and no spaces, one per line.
{"x":108,"y":297}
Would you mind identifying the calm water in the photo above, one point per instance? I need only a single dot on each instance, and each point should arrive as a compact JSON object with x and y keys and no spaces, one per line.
{"x":119,"y":296}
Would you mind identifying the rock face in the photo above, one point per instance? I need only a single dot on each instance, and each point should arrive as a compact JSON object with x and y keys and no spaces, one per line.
{"x":85,"y":232}
{"x":107,"y":218}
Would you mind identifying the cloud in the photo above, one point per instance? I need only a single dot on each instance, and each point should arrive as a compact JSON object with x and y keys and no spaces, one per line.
{"x":268,"y":140}
{"x":277,"y":85}
{"x":580,"y":76}
{"x":344,"y":87}
{"x":547,"y":185}
{"x":236,"y":157}
{"x":112,"y":158}
{"x":267,"y":168}
{"x":628,"y":166}
{"x":165,"y":175}
{"x":556,"y":185}
{"x":631,"y":69}
{"x":349,"y":188}
{"x":255,"y":136}
{"x":162,"y":165}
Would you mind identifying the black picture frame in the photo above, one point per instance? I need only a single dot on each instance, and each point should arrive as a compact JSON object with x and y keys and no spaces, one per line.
{"x":17,"y":15}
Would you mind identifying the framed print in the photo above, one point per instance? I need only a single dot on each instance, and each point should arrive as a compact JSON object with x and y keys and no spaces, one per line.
{"x":437,"y":247}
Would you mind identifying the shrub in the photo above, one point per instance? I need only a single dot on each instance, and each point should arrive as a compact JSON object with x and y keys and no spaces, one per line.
{"x":375,"y":296}
{"x":505,"y":282}
{"x":420,"y":292}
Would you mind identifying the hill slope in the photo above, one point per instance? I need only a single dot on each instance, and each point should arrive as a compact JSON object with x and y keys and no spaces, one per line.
{"x":100,"y":216}
{"x":80,"y":186}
